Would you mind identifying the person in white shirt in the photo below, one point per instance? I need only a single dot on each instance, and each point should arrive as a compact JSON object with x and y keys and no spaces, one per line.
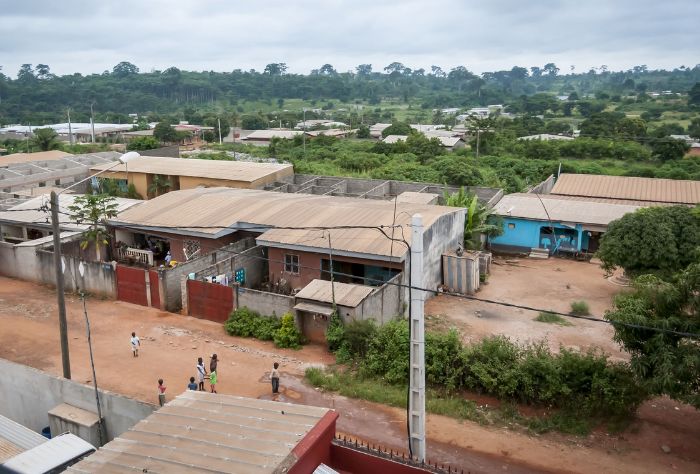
{"x":135,"y":344}
{"x":275,"y":378}
{"x":201,"y":373}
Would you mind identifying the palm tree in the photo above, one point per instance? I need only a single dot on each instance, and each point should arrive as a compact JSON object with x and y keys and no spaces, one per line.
{"x":45,"y":139}
{"x":159,"y":185}
{"x":478,"y":220}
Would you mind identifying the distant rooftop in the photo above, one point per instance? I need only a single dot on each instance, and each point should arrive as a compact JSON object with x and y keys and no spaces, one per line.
{"x":29,"y":157}
{"x":650,"y":190}
{"x":205,"y":432}
{"x":269,"y":134}
{"x":215,"y":169}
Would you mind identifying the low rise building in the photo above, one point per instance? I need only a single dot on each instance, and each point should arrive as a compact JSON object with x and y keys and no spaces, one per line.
{"x":153,"y":175}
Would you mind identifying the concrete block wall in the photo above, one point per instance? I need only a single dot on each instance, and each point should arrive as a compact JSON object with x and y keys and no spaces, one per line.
{"x":27,"y":395}
{"x":265,"y":303}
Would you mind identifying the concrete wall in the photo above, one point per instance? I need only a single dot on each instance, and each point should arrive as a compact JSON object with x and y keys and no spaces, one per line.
{"x":383,"y":304}
{"x":445,"y":235}
{"x":265,"y":303}
{"x":31,"y":262}
{"x":27,"y":394}
{"x":545,"y":187}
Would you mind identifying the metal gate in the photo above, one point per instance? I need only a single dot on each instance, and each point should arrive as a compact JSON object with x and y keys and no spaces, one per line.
{"x":209,"y":300}
{"x":138,"y":286}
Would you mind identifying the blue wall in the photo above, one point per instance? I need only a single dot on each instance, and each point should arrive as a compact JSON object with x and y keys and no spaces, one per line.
{"x":526,"y":234}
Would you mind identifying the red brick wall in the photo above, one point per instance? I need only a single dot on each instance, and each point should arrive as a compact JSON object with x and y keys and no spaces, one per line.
{"x":310,"y":265}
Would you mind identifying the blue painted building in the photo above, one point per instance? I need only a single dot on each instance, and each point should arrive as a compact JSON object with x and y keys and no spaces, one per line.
{"x":560,"y":224}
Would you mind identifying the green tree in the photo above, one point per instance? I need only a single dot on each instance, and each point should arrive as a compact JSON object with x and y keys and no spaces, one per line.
{"x":694,"y":128}
{"x":666,"y":149}
{"x":213,"y":121}
{"x":362,"y":131}
{"x":93,"y":209}
{"x":124,"y":69}
{"x":46,"y":139}
{"x":397,"y":128}
{"x":656,"y":239}
{"x":694,"y":95}
{"x":165,"y":132}
{"x":143,"y":143}
{"x":667,"y":363}
{"x":253,"y":122}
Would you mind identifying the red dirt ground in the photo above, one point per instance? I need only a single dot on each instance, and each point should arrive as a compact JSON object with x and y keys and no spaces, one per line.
{"x":171,"y":344}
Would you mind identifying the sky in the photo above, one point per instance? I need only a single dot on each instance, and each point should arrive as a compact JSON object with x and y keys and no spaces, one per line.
{"x":92,"y":36}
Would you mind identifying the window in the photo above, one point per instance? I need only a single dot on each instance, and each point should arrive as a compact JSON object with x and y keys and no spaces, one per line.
{"x":57,"y":182}
{"x":291,"y":263}
{"x":511,"y":226}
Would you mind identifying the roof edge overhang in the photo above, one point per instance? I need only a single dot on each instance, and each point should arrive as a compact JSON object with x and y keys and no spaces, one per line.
{"x":336,"y":252}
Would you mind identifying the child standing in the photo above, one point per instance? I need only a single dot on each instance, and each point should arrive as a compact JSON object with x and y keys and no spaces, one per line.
{"x":275,"y":378}
{"x":192,"y":385}
{"x":135,"y":344}
{"x":212,"y":380}
{"x":161,"y":392}
{"x":201,"y":372}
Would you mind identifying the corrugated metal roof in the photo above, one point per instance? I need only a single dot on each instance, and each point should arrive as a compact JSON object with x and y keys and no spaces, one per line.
{"x":233,"y":208}
{"x":391,"y":139}
{"x":215,"y":169}
{"x":47,"y":456}
{"x":29,"y":211}
{"x":631,"y":188}
{"x":346,"y":294}
{"x":15,"y":439}
{"x":528,"y":206}
{"x":199,"y":431}
{"x":269,"y":134}
{"x":314,"y":308}
{"x":29,"y":157}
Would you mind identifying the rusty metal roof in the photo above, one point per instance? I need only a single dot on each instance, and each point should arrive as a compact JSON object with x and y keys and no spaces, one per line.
{"x":206,"y":432}
{"x":560,"y":209}
{"x":214,"y":212}
{"x":215,"y":169}
{"x":630,"y":188}
{"x":346,"y":294}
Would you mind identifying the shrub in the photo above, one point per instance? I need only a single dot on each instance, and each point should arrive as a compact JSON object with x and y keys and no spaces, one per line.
{"x":335,"y":333}
{"x":387,"y":355}
{"x":357,"y":337}
{"x":552,"y":318}
{"x":288,"y":335}
{"x":580,"y":308}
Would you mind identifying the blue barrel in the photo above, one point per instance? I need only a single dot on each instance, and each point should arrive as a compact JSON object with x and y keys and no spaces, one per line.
{"x":46,"y":432}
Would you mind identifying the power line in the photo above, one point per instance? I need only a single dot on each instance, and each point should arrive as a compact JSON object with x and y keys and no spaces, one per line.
{"x":596,"y":319}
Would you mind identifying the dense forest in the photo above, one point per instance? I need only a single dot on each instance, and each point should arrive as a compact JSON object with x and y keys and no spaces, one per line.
{"x":37,"y":96}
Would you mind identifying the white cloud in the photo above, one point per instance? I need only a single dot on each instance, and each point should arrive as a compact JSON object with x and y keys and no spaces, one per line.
{"x":89,"y":37}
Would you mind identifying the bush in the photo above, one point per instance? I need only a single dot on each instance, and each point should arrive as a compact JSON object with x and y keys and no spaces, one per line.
{"x":335,"y":334}
{"x":580,"y":308}
{"x":288,"y":335}
{"x":552,"y":318}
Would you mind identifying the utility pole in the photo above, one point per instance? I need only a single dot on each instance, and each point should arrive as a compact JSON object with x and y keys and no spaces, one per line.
{"x":62,"y":323}
{"x":478,"y":136}
{"x":92,"y":122}
{"x":416,"y":401}
{"x":219,"y":122}
{"x":330,"y":255}
{"x":70,"y":129}
{"x":303,"y":136}
{"x":92,"y":364}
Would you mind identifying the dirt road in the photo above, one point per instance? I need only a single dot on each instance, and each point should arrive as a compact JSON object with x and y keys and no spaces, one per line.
{"x":172,"y":343}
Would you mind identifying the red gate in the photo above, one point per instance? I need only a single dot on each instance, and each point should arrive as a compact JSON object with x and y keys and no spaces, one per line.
{"x":209,"y":300}
{"x":133,"y":287}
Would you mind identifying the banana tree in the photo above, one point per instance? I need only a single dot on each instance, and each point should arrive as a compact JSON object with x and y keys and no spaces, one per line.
{"x":479,"y":220}
{"x":93,"y":209}
{"x":159,"y":185}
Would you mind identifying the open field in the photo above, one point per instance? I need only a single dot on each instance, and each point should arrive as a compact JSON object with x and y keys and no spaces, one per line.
{"x":29,"y":335}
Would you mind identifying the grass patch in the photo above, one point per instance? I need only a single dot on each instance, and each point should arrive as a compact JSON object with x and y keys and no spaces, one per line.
{"x":580,"y":308}
{"x":551,"y":318}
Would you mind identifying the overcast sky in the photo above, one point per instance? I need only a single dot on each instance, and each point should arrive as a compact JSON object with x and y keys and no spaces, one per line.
{"x":485,"y":35}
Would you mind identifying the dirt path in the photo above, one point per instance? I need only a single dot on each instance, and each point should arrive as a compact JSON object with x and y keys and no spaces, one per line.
{"x":29,"y":335}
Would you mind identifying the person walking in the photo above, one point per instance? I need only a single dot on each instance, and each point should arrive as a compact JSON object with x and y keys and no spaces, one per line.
{"x":161,"y":392}
{"x":201,"y":373}
{"x":192,"y":385}
{"x":275,"y":378}
{"x":135,"y":344}
{"x":213,"y":374}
